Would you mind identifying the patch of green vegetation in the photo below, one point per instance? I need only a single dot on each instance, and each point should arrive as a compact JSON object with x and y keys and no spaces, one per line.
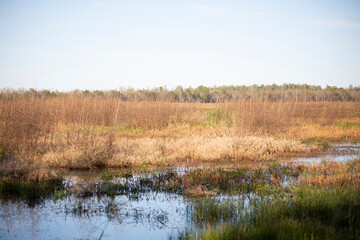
{"x":106,"y":176}
{"x":348,"y":125}
{"x":126,"y":175}
{"x":209,"y":210}
{"x":213,"y":118}
{"x":218,"y":116}
{"x":133,"y":196}
{"x":59,"y":193}
{"x":121,"y":129}
{"x":138,"y":130}
{"x":323,"y":142}
{"x":306,"y":213}
{"x":228,"y":118}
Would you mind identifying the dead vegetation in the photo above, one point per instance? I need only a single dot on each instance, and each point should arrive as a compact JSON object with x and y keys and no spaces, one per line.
{"x":81,"y":132}
{"x":199,"y":191}
{"x":332,"y":174}
{"x":130,"y":152}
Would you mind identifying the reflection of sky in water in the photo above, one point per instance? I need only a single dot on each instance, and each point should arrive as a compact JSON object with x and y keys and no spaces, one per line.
{"x":317,"y":160}
{"x":348,"y":152}
{"x":152,"y":216}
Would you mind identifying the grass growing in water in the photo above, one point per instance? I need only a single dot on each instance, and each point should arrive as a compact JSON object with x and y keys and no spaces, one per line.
{"x":323,"y":204}
{"x":106,"y":176}
{"x":307,"y":213}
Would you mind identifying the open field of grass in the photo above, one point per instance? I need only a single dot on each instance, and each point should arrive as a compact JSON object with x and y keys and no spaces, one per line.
{"x":79,"y":132}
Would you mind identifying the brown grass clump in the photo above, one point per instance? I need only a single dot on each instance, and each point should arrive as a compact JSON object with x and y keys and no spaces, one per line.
{"x":89,"y":152}
{"x":199,"y":191}
{"x":333,"y":174}
{"x":152,"y":151}
{"x":103,"y":151}
{"x":331,"y":132}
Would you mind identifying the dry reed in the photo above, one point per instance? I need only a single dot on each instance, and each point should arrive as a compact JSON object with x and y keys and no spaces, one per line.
{"x":85,"y":132}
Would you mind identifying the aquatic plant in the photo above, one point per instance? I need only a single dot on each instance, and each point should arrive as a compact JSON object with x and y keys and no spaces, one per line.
{"x":306,"y":214}
{"x":106,"y":176}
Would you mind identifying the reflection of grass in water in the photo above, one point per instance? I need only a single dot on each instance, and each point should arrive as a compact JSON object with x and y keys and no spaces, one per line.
{"x":204,"y":182}
{"x":270,"y":210}
{"x":31,"y":192}
{"x":199,"y":182}
{"x":125,"y":175}
{"x":118,"y":211}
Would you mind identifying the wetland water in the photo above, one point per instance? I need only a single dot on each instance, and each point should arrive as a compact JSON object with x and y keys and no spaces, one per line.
{"x":89,"y":206}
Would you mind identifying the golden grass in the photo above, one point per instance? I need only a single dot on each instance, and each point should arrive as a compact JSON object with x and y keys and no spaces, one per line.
{"x":144,"y":151}
{"x":332,"y":132}
{"x":199,"y":191}
{"x":87,"y":132}
{"x":333,"y":174}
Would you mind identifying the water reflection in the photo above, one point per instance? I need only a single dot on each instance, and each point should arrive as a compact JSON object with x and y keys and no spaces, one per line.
{"x":344,"y":152}
{"x":130,"y":209}
{"x":151,"y":216}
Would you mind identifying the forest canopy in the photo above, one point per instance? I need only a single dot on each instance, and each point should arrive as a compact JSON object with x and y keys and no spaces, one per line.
{"x":203,"y":94}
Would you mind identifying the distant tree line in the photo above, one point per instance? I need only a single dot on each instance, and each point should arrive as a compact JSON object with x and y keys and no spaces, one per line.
{"x":273,"y":93}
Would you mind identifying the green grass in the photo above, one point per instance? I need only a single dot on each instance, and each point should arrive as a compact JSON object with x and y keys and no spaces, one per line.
{"x":323,"y":142}
{"x":121,"y":129}
{"x":213,"y":118}
{"x":211,"y":210}
{"x":106,"y":176}
{"x":125,"y":175}
{"x":217,"y":116}
{"x":348,"y":125}
{"x":307,"y":213}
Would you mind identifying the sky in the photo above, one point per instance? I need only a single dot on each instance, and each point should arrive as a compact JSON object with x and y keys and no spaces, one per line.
{"x":101,"y":45}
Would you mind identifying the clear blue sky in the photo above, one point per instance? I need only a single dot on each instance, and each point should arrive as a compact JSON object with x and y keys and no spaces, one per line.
{"x":86,"y":44}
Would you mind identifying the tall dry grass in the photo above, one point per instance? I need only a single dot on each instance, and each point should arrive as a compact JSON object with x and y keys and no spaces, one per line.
{"x":278,"y":117}
{"x":88,"y":131}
